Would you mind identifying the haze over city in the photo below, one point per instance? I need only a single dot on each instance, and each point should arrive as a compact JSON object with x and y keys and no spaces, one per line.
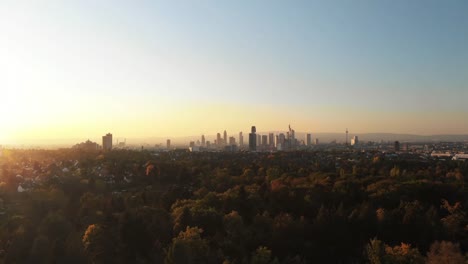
{"x":78,"y":69}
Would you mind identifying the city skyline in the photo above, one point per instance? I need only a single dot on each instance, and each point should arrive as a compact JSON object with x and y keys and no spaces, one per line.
{"x":75,"y":70}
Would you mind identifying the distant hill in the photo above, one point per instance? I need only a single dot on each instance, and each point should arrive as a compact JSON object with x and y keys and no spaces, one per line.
{"x":364,"y":137}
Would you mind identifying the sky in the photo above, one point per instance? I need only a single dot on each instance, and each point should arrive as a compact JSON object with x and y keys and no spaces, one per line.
{"x":79,"y":69}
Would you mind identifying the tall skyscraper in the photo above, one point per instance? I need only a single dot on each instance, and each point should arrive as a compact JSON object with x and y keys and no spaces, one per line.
{"x":168,"y":144}
{"x":203,"y":140}
{"x":232,"y":141}
{"x":271,"y":139}
{"x":241,"y":140}
{"x":107,"y":142}
{"x":264,"y":140}
{"x":218,"y":139}
{"x":354,"y":141}
{"x":225,"y":138}
{"x":280,"y":145}
{"x":259,"y":140}
{"x":253,"y":139}
{"x":308,"y":140}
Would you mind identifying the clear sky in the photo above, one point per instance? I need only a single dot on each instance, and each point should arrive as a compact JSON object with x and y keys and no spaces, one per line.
{"x":80,"y":69}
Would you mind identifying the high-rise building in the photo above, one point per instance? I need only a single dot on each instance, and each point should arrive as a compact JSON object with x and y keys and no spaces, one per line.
{"x":308,"y":140}
{"x":253,"y":139}
{"x":354,"y":141}
{"x":264,"y":140}
{"x":280,"y":145}
{"x":259,"y":140}
{"x":192,"y":144}
{"x":232,"y":141}
{"x":225,"y":138}
{"x":316,"y":141}
{"x":107,"y":142}
{"x":271,"y":139}
{"x":218,"y":139}
{"x":203,"y":140}
{"x":168,"y":144}
{"x":241,"y":140}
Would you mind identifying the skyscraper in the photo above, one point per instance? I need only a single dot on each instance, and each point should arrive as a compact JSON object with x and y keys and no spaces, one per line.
{"x":354,"y":141}
{"x":280,"y":145}
{"x":264,"y":140}
{"x":225,"y":138}
{"x":203,"y":140}
{"x":271,"y":139}
{"x":308,"y":140}
{"x":253,"y":139}
{"x":232,"y":141}
{"x":168,"y":144}
{"x":218,"y":139}
{"x":241,"y":139}
{"x":107,"y":142}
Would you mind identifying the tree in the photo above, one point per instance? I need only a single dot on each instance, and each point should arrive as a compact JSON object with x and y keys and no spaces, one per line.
{"x":261,"y":256}
{"x":445,"y":252}
{"x":188,"y":247}
{"x":98,"y":244}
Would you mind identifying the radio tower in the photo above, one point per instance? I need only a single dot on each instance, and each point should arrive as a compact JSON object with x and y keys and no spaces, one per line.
{"x":346,"y":136}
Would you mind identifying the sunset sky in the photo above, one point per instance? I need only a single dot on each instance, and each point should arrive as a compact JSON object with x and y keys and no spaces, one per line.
{"x":80,"y":69}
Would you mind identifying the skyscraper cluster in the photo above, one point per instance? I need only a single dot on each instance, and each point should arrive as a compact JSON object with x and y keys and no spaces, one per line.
{"x":257,"y":142}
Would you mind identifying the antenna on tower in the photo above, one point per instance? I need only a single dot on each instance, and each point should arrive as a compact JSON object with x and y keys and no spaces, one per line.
{"x":346,"y":136}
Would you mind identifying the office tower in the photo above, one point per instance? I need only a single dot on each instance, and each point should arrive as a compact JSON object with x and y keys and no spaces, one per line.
{"x":192,"y":144}
{"x":107,"y":142}
{"x":316,"y":141}
{"x":354,"y":141}
{"x":397,"y":145}
{"x":241,"y":139}
{"x":225,"y":138}
{"x":271,"y":139}
{"x":265,"y":140}
{"x":168,"y":144}
{"x":308,"y":140}
{"x":232,"y":141}
{"x":253,"y":139}
{"x":203,"y":140}
{"x":218,"y":139}
{"x":259,"y":140}
{"x":281,"y":142}
{"x":208,"y":144}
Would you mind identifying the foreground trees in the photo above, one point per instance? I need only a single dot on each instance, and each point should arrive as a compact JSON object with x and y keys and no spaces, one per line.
{"x":298,"y":207}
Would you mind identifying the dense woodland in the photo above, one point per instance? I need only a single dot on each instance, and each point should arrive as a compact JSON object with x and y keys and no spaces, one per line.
{"x":177,"y":207}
